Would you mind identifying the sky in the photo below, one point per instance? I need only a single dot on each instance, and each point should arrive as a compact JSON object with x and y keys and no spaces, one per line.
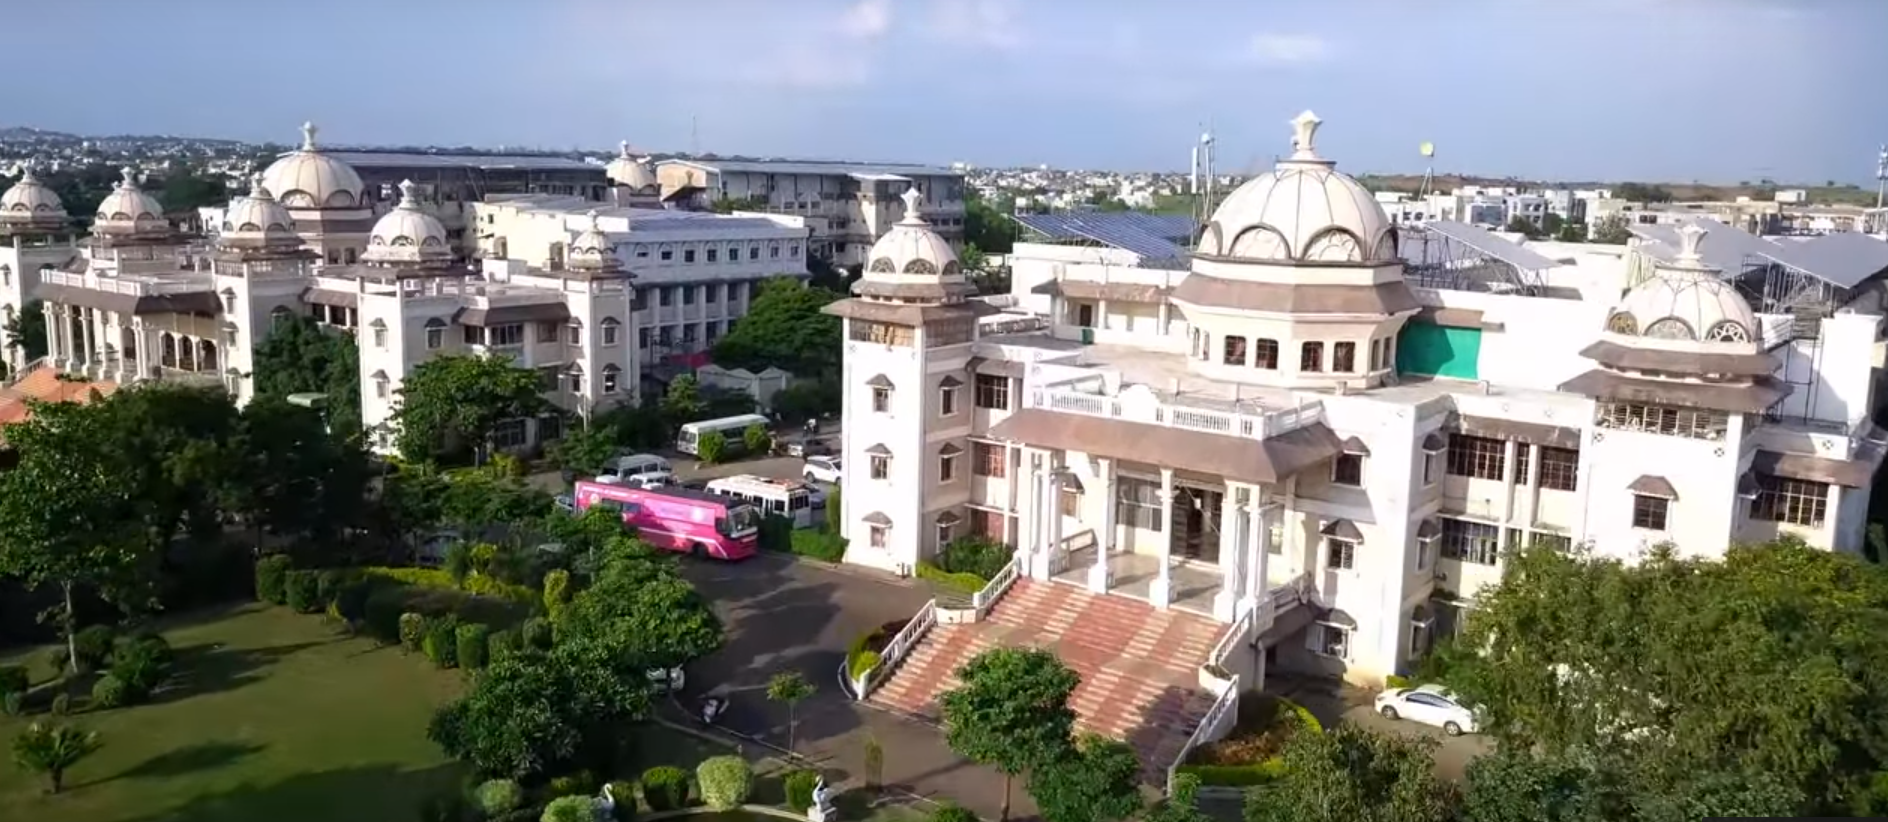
{"x":1670,"y":90}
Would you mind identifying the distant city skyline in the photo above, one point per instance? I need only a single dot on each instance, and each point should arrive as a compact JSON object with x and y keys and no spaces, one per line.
{"x":1718,"y":91}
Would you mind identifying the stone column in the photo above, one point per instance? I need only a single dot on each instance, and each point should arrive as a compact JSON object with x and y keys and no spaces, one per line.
{"x":1100,"y":575}
{"x":1052,"y":511}
{"x":55,"y":353}
{"x":1036,"y":553}
{"x":88,"y":320}
{"x":1257,"y":544}
{"x":1160,"y":593}
{"x":1225,"y":603}
{"x":147,"y":350}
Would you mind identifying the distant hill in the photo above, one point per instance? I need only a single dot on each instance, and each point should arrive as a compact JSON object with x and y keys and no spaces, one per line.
{"x":22,"y":133}
{"x":1824,"y":194}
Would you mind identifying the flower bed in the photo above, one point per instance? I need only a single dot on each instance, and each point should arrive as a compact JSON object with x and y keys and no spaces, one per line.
{"x":476,"y":584}
{"x":1250,"y":754}
{"x":864,"y":651}
{"x":961,"y":583}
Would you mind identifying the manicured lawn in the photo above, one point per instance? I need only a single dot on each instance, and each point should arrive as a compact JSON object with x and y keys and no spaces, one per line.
{"x":274,"y":717}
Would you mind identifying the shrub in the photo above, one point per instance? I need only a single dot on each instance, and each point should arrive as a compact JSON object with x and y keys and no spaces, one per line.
{"x":712,"y":447}
{"x":382,"y":612}
{"x":109,"y":692}
{"x":556,"y":592}
{"x":980,"y":556}
{"x":1236,"y":776}
{"x":93,"y":645}
{"x":471,"y":652}
{"x":960,"y":583}
{"x":412,"y":630}
{"x":952,"y":812}
{"x":861,"y":655}
{"x":441,"y":642}
{"x":350,"y":601}
{"x":1394,"y":682}
{"x":478,"y":584}
{"x":580,"y":783}
{"x":835,"y":516}
{"x":776,"y":533}
{"x":799,"y":787}
{"x":272,"y":579}
{"x":13,"y":703}
{"x":457,"y":563}
{"x":328,"y":585}
{"x":756,"y":438}
{"x":61,"y":704}
{"x":570,"y":809}
{"x":304,"y":591}
{"x":726,"y":781}
{"x":500,"y":645}
{"x":624,"y":795}
{"x":537,"y":634}
{"x":57,"y":656}
{"x":498,"y":796}
{"x":14,"y":679}
{"x":665,"y":788}
{"x":447,"y":806}
{"x":154,"y":643}
{"x":141,"y":666}
{"x":819,"y":545}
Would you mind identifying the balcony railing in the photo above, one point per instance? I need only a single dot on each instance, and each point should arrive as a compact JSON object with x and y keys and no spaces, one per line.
{"x":127,"y":286}
{"x":1231,"y":423}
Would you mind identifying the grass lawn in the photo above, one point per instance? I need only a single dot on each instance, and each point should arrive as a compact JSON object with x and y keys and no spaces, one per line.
{"x":272,"y":716}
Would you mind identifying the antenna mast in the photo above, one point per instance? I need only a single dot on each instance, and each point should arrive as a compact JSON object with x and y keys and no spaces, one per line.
{"x":1881,"y":175}
{"x":1206,"y":177}
{"x":694,"y":135}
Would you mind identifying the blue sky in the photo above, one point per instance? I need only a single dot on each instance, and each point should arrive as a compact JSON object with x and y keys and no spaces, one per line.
{"x":1714,"y":90}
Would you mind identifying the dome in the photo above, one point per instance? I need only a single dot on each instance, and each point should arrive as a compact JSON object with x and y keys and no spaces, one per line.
{"x":1685,"y":305}
{"x":629,"y":170}
{"x":592,"y":250}
{"x":408,"y":234}
{"x":128,"y":210}
{"x":31,"y":201}
{"x":307,"y":178}
{"x":911,"y":247}
{"x":1302,"y":211}
{"x":257,"y":219}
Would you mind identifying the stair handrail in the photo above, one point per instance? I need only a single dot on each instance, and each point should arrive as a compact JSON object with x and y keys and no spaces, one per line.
{"x":1224,"y":707}
{"x":31,"y":365}
{"x":897,"y":649}
{"x":998,"y":585}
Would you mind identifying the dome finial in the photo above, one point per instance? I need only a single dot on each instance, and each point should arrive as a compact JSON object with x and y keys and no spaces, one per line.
{"x":255,"y":186}
{"x":595,"y":225}
{"x":409,"y":194}
{"x":1690,"y":236}
{"x":623,"y":147}
{"x":308,"y":136}
{"x":1304,"y":136}
{"x":911,"y":198}
{"x":130,"y":176}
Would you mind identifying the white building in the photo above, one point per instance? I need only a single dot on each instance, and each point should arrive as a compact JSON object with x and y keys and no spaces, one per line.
{"x":848,"y":206}
{"x":137,"y":301}
{"x":696,"y":272}
{"x":1330,"y":448}
{"x":35,"y":233}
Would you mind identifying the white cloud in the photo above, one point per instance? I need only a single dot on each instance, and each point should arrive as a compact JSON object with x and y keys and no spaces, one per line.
{"x":866,"y":19}
{"x":981,"y":23}
{"x":1289,"y":48}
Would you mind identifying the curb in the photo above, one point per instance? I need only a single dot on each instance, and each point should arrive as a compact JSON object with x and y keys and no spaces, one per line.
{"x":762,"y":810}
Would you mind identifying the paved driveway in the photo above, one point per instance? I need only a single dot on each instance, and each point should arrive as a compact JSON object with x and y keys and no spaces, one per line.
{"x":1331,"y":702}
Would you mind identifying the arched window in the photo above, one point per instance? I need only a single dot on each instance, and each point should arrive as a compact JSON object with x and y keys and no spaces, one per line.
{"x":383,"y":387}
{"x":612,"y":376}
{"x":279,"y":315}
{"x":206,"y":355}
{"x":883,"y":265}
{"x":380,"y":332}
{"x":1670,"y":328}
{"x":435,"y":334}
{"x":229,"y":300}
{"x":1728,"y":331}
{"x":1622,"y":323}
{"x":612,"y":330}
{"x":574,"y":379}
{"x":920,"y":267}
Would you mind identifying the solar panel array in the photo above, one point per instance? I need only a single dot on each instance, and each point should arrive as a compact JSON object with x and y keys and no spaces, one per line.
{"x":1484,"y":241}
{"x":1151,"y":236}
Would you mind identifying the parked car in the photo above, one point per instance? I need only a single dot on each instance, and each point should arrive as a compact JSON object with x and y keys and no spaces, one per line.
{"x":808,"y":448}
{"x":822,"y":469}
{"x":1430,"y":705}
{"x":669,"y":681}
{"x":565,"y":503}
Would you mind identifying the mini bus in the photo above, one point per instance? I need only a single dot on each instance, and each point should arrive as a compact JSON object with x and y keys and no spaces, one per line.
{"x":772,"y":497}
{"x":679,"y":519}
{"x":733,"y":429}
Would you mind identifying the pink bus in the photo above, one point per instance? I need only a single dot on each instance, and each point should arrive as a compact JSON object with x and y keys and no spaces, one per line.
{"x":692,"y":522}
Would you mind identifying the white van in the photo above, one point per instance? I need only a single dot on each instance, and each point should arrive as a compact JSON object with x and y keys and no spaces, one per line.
{"x":625,"y":467}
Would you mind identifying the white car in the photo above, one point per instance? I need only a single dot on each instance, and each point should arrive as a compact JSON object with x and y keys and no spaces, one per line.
{"x":1430,"y":705}
{"x":822,"y":469}
{"x":669,"y":681}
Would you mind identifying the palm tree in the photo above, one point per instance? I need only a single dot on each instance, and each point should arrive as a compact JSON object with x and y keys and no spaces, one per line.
{"x":51,"y":749}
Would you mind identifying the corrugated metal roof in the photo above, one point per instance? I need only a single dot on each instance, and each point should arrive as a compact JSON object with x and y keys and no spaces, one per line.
{"x":490,"y":162}
{"x":1484,"y":241}
{"x":814,"y":167}
{"x":1845,"y":259}
{"x":1152,"y":236}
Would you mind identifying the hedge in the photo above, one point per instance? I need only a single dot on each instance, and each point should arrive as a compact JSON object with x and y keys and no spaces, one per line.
{"x":1236,"y":776}
{"x":664,"y":788}
{"x":441,"y":643}
{"x":272,"y":579}
{"x":471,"y":639}
{"x":963,"y":583}
{"x":304,"y":592}
{"x":725,"y":782}
{"x":476,"y":584}
{"x":859,"y":655}
{"x":820,"y":545}
{"x":799,"y":789}
{"x":1394,"y":682}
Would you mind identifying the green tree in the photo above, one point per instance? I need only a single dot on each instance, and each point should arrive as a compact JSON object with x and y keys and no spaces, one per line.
{"x":790,"y":688}
{"x":534,"y":714}
{"x":1571,"y":232}
{"x":301,"y":356}
{"x":1510,"y":786}
{"x":584,"y":450}
{"x":26,"y":331}
{"x":712,"y":447}
{"x":1349,"y":774}
{"x":178,"y":446}
{"x":1611,"y":230}
{"x":188,"y":189}
{"x":1011,"y":712}
{"x":786,"y":327}
{"x":457,"y":401}
{"x":683,"y":402}
{"x":1182,"y":805}
{"x":295,"y":478}
{"x":988,"y":225}
{"x":1582,"y":655}
{"x":67,"y":514}
{"x":1524,"y":227}
{"x":52,"y":749}
{"x":640,"y":606}
{"x":1096,"y":781}
{"x":972,"y":258}
{"x":756,"y":439}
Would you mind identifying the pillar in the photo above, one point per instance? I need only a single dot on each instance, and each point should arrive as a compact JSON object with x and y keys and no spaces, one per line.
{"x":146,"y":352}
{"x":1101,"y":574}
{"x":1160,"y":593}
{"x":1258,"y":535}
{"x":1052,"y":512}
{"x":1226,"y":602}
{"x":55,"y":353}
{"x":88,"y":318}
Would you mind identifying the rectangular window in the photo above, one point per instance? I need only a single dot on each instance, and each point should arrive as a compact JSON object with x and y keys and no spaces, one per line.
{"x":1523,"y":459}
{"x":1425,"y":552}
{"x":993,"y":392}
{"x":688,"y":295}
{"x":881,"y":400}
{"x":1328,"y":639}
{"x":1793,"y":501}
{"x":1477,"y":457}
{"x":610,"y":332}
{"x":642,"y":299}
{"x":988,"y":524}
{"x":1432,"y":468}
{"x":1339,"y":554}
{"x":1418,"y":638}
{"x":878,"y":536}
{"x":380,"y":338}
{"x":1344,"y":357}
{"x":1070,"y":503}
{"x":1560,"y":469}
{"x":1558,"y":542}
{"x":474,"y":335}
{"x":1348,"y":469}
{"x":988,"y":460}
{"x":609,"y":380}
{"x":1265,"y":354}
{"x":688,"y":255}
{"x":435,"y":337}
{"x":753,"y":252}
{"x":666,"y":296}
{"x":1137,"y":503}
{"x":947,"y":400}
{"x":575,"y":333}
{"x":509,"y":434}
{"x":946,"y":468}
{"x":1476,"y":542}
{"x":1650,"y":513}
{"x":944,"y":533}
{"x":714,"y":255}
{"x":668,"y":254}
{"x":713,"y":295}
{"x":881,"y":467}
{"x":1311,"y":357}
{"x":1235,"y":353}
{"x":507,"y":335}
{"x":1690,"y":423}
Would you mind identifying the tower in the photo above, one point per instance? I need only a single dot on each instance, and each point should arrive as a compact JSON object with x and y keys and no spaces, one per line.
{"x":35,"y":232}
{"x":908,"y":332}
{"x":260,"y":269}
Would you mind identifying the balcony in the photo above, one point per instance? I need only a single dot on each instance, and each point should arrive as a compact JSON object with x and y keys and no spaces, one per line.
{"x":130,"y":285}
{"x":1262,"y":425}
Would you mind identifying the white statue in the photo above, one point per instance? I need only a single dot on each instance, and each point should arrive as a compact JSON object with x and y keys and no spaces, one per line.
{"x":606,"y":805}
{"x":822,"y":809}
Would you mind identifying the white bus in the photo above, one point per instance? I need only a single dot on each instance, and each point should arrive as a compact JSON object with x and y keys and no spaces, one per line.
{"x":774,"y":497}
{"x":731,"y":428}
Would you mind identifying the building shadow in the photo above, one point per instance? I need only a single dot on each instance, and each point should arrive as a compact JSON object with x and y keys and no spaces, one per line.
{"x":215,"y":668}
{"x":203,"y":756}
{"x":378,"y":791}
